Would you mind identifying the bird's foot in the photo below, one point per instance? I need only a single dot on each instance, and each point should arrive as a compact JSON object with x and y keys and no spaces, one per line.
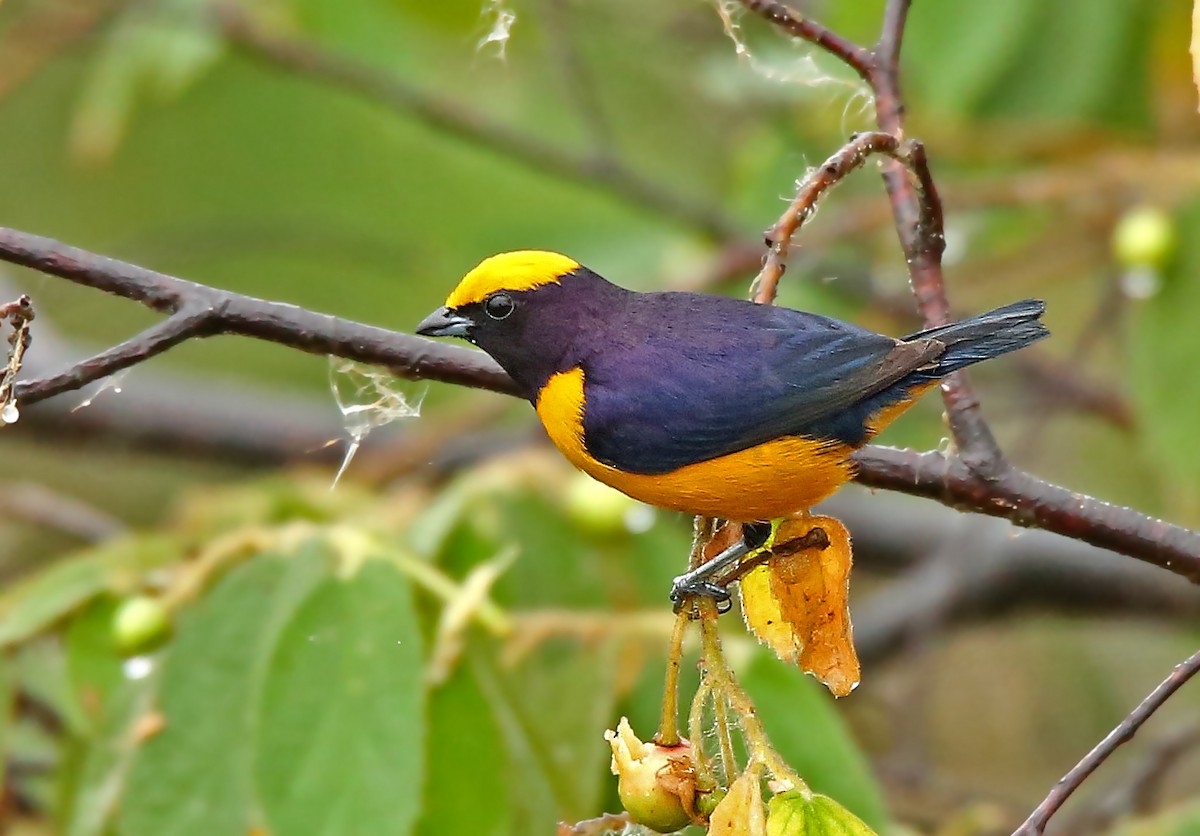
{"x":712,"y":579}
{"x":685,"y":587}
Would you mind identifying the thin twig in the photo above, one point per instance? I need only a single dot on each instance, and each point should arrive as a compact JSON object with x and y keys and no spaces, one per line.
{"x":18,"y":314}
{"x":725,"y":687}
{"x":917,"y":212}
{"x":1125,"y":730}
{"x":805,"y":28}
{"x":1138,"y":793}
{"x":187,"y":323}
{"x":852,"y":155}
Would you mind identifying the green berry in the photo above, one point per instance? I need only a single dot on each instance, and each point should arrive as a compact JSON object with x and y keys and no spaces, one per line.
{"x":1144,"y":237}
{"x":596,"y":508}
{"x":139,"y":624}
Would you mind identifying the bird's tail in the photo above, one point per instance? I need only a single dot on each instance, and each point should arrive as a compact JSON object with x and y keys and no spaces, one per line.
{"x":987,"y":335}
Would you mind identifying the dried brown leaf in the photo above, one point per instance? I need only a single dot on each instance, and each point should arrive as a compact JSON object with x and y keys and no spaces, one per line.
{"x":798,"y":603}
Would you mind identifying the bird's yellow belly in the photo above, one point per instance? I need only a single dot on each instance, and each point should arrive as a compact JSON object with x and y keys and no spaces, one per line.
{"x":766,"y":482}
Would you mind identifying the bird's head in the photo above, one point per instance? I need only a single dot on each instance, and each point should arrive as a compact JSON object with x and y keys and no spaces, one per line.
{"x":525,"y":309}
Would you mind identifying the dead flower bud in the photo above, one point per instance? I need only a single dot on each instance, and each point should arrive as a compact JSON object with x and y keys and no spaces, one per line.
{"x":741,"y":812}
{"x":657,"y":784}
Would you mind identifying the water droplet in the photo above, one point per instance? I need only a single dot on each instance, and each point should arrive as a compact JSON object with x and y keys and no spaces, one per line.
{"x":10,"y":413}
{"x":639,"y":519}
{"x":138,"y":667}
{"x":1141,"y":282}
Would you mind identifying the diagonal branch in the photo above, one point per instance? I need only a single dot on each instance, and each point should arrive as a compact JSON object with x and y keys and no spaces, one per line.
{"x":1124,"y":732}
{"x":801,"y":26}
{"x":852,"y":155}
{"x":188,"y":322}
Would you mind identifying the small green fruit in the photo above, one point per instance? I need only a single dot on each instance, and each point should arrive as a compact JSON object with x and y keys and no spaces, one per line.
{"x":596,"y":508}
{"x":139,"y":624}
{"x":1144,"y":237}
{"x":656,"y":784}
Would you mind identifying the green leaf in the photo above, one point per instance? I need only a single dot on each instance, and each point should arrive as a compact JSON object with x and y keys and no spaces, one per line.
{"x":96,"y":792}
{"x":806,"y":729}
{"x":792,"y":814}
{"x":1031,"y":60}
{"x":466,"y":790}
{"x":196,"y":776}
{"x":552,"y":710}
{"x":93,"y":662}
{"x":341,"y":721}
{"x":110,"y":704}
{"x":33,"y":605}
{"x":157,"y":47}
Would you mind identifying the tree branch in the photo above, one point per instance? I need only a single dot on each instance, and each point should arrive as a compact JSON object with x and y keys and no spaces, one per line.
{"x":852,"y":155}
{"x":1125,"y":730}
{"x":186,"y":323}
{"x":916,"y":209}
{"x":1013,"y":495}
{"x":1028,"y":501}
{"x":232,"y":313}
{"x":856,"y":57}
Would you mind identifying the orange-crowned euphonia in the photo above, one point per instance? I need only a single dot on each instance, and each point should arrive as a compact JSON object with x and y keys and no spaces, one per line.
{"x":705,"y":404}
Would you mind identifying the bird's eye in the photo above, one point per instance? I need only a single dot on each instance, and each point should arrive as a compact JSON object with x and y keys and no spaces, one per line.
{"x":499,"y":305}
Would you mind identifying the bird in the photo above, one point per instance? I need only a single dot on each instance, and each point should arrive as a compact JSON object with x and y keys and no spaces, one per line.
{"x":699,"y":403}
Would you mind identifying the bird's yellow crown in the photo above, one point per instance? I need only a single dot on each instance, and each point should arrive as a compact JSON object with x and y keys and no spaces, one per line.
{"x":519,"y":270}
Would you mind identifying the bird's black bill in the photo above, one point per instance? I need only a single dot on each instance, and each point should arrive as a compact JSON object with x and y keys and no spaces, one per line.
{"x":444,"y":323}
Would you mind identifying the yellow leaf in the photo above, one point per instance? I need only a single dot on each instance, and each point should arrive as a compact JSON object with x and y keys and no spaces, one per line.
{"x":764,"y":616}
{"x":741,"y":812}
{"x":797,"y":603}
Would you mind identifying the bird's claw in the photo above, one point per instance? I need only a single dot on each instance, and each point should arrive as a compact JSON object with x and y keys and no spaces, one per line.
{"x":685,"y":587}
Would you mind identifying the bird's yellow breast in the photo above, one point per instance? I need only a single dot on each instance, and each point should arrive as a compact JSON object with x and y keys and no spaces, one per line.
{"x":767,"y":482}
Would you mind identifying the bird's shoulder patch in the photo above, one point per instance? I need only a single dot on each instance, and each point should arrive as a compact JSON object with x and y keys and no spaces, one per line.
{"x":514,"y":272}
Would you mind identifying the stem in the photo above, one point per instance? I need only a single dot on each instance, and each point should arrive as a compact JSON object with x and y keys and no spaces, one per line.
{"x":725,"y":739}
{"x":1125,"y":730}
{"x":668,"y":722}
{"x":721,"y":680}
{"x":705,"y":776}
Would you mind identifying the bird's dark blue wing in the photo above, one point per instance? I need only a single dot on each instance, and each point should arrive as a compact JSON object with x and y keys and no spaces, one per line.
{"x":687,"y":378}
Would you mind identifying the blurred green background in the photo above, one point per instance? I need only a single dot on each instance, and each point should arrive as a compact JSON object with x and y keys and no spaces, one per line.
{"x":329,"y":667}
